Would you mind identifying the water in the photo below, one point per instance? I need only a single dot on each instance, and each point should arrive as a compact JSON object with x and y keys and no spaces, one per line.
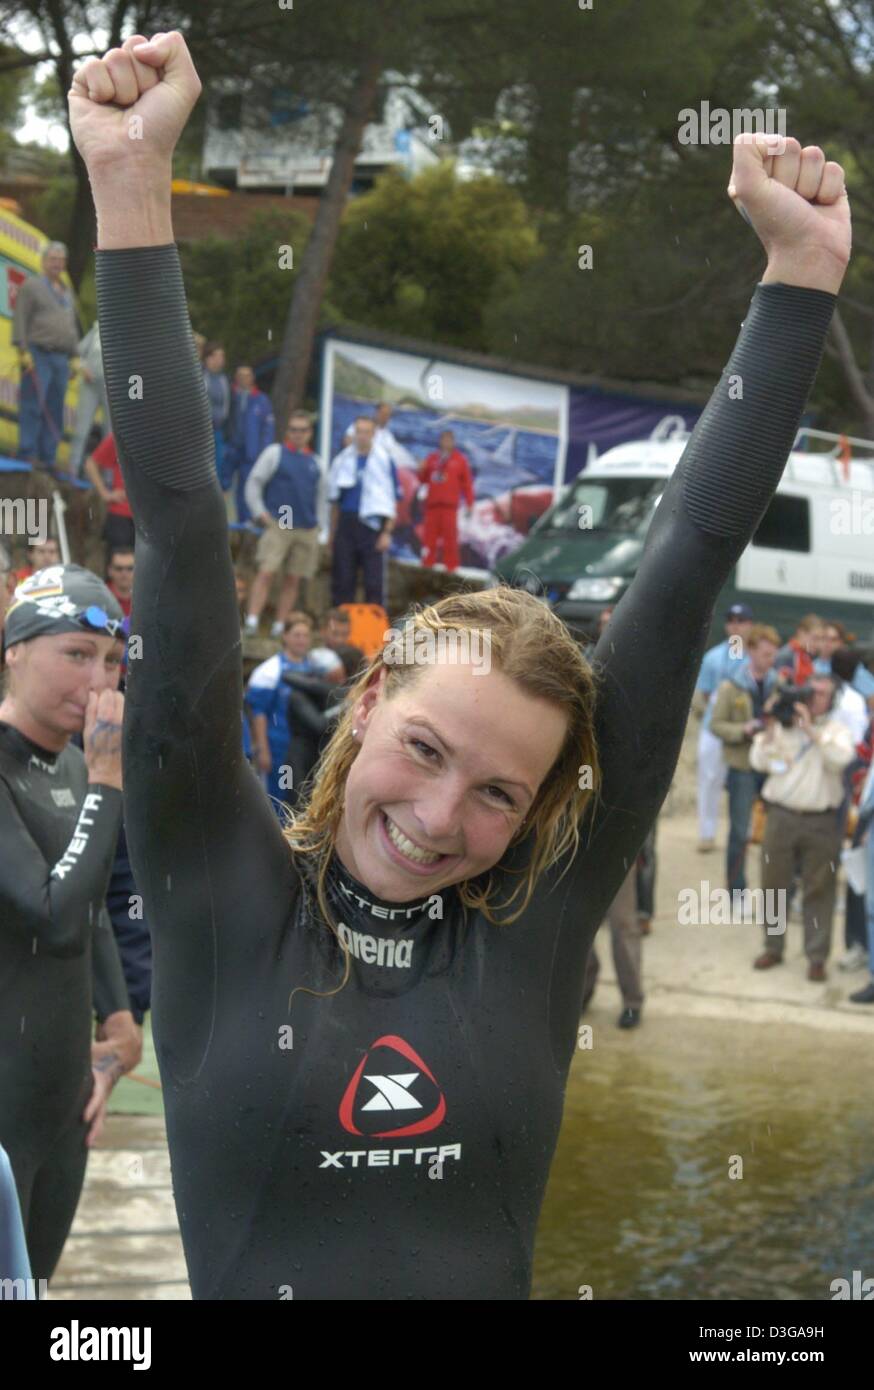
{"x":640,"y":1204}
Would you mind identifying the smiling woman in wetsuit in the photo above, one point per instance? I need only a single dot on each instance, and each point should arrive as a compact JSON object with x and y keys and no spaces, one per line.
{"x":59,"y":818}
{"x":365,"y":1028}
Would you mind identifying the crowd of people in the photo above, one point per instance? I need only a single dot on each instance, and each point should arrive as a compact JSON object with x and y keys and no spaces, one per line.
{"x":280,"y":488}
{"x":787,"y":729}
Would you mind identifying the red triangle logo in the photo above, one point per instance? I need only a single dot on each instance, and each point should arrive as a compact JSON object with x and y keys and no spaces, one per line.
{"x":384,"y":1085}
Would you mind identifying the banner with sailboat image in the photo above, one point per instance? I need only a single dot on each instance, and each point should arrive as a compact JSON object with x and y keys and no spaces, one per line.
{"x":512,"y":429}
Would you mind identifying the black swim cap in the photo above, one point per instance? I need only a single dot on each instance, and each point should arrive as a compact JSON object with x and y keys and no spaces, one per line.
{"x":62,"y":598}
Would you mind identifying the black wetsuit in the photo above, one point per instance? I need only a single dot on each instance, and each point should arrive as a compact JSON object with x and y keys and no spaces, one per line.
{"x":58,"y":957}
{"x":396,"y":1144}
{"x":313,"y":709}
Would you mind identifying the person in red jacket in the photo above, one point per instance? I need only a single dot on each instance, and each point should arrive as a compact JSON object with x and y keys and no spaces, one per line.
{"x":794,"y":662}
{"x":103,"y":469}
{"x":446,"y":474}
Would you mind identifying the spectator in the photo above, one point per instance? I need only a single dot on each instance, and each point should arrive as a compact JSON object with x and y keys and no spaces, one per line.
{"x":855,"y":927}
{"x":40,"y":556}
{"x":363,"y":487}
{"x":131,"y":930}
{"x":45,"y":330}
{"x":218,"y":391}
{"x":736,"y":716}
{"x":795,"y":660}
{"x":626,"y":944}
{"x":313,"y":707}
{"x":120,"y":576}
{"x":267,"y":698}
{"x":718,"y":665}
{"x":445,"y":475}
{"x":646,"y":881}
{"x":833,"y":635}
{"x":285,"y":492}
{"x":834,"y":638}
{"x":251,"y":430}
{"x":92,"y":397}
{"x":103,"y":469}
{"x":864,"y":836}
{"x":804,"y":761}
{"x":850,"y":707}
{"x":241,"y":584}
{"x":334,"y":634}
{"x":383,"y":436}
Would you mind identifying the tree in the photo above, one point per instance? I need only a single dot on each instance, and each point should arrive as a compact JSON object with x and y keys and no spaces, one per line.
{"x":831,"y":86}
{"x":423,"y":257}
{"x":232,"y":288}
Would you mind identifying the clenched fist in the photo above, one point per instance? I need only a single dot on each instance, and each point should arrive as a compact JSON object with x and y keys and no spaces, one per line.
{"x":797,"y":203}
{"x":101,"y":739}
{"x":128,"y":109}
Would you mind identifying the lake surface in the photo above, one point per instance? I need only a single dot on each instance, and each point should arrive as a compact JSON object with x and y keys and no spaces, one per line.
{"x":640,"y":1203}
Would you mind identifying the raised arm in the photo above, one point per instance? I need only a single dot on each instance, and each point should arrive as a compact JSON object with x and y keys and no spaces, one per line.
{"x":650,"y":653}
{"x":199,"y":828}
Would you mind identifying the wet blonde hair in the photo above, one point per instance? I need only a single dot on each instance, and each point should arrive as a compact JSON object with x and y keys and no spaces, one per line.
{"x":532,"y":647}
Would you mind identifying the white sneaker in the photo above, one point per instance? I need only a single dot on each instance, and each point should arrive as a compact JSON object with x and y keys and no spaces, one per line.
{"x":854,"y":959}
{"x":251,"y":624}
{"x":276,"y":630}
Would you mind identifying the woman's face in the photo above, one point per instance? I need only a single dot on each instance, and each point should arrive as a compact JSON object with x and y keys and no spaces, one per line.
{"x":447,"y":770}
{"x":53,"y":675}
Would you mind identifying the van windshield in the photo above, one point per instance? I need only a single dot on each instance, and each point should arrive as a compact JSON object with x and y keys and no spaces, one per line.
{"x":623,"y":506}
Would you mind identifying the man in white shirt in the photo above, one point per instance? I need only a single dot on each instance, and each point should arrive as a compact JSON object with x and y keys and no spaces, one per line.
{"x":803,"y":791}
{"x":363,"y":490}
{"x":851,"y":707}
{"x":382,"y":435}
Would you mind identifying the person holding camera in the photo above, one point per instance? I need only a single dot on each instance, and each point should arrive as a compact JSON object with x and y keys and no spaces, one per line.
{"x":804,"y":751}
{"x":735,"y":719}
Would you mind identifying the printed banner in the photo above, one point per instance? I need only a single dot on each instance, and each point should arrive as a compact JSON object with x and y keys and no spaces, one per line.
{"x":511,"y":429}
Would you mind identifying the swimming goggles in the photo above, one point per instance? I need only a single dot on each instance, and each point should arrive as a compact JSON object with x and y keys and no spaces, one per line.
{"x":100,"y":621}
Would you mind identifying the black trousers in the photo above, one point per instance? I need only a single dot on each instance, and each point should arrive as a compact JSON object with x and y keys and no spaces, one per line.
{"x":354,"y":549}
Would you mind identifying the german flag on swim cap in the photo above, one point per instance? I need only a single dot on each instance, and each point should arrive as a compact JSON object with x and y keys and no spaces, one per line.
{"x":62,"y":598}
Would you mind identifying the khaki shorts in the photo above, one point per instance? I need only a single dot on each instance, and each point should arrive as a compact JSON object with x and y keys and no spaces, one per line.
{"x":283,"y":549}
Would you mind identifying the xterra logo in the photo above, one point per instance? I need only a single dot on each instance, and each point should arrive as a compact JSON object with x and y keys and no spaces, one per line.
{"x":392,"y":1079}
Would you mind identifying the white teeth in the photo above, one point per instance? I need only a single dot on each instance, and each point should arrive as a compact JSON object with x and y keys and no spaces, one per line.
{"x":406,"y":847}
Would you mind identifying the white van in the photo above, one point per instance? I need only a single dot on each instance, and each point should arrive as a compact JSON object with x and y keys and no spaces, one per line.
{"x":813,"y":550}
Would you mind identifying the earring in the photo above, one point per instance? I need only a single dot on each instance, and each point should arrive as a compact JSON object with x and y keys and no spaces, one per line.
{"x":354,"y":733}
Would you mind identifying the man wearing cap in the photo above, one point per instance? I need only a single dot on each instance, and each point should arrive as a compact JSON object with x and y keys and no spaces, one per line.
{"x":719,"y":664}
{"x":60,"y":811}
